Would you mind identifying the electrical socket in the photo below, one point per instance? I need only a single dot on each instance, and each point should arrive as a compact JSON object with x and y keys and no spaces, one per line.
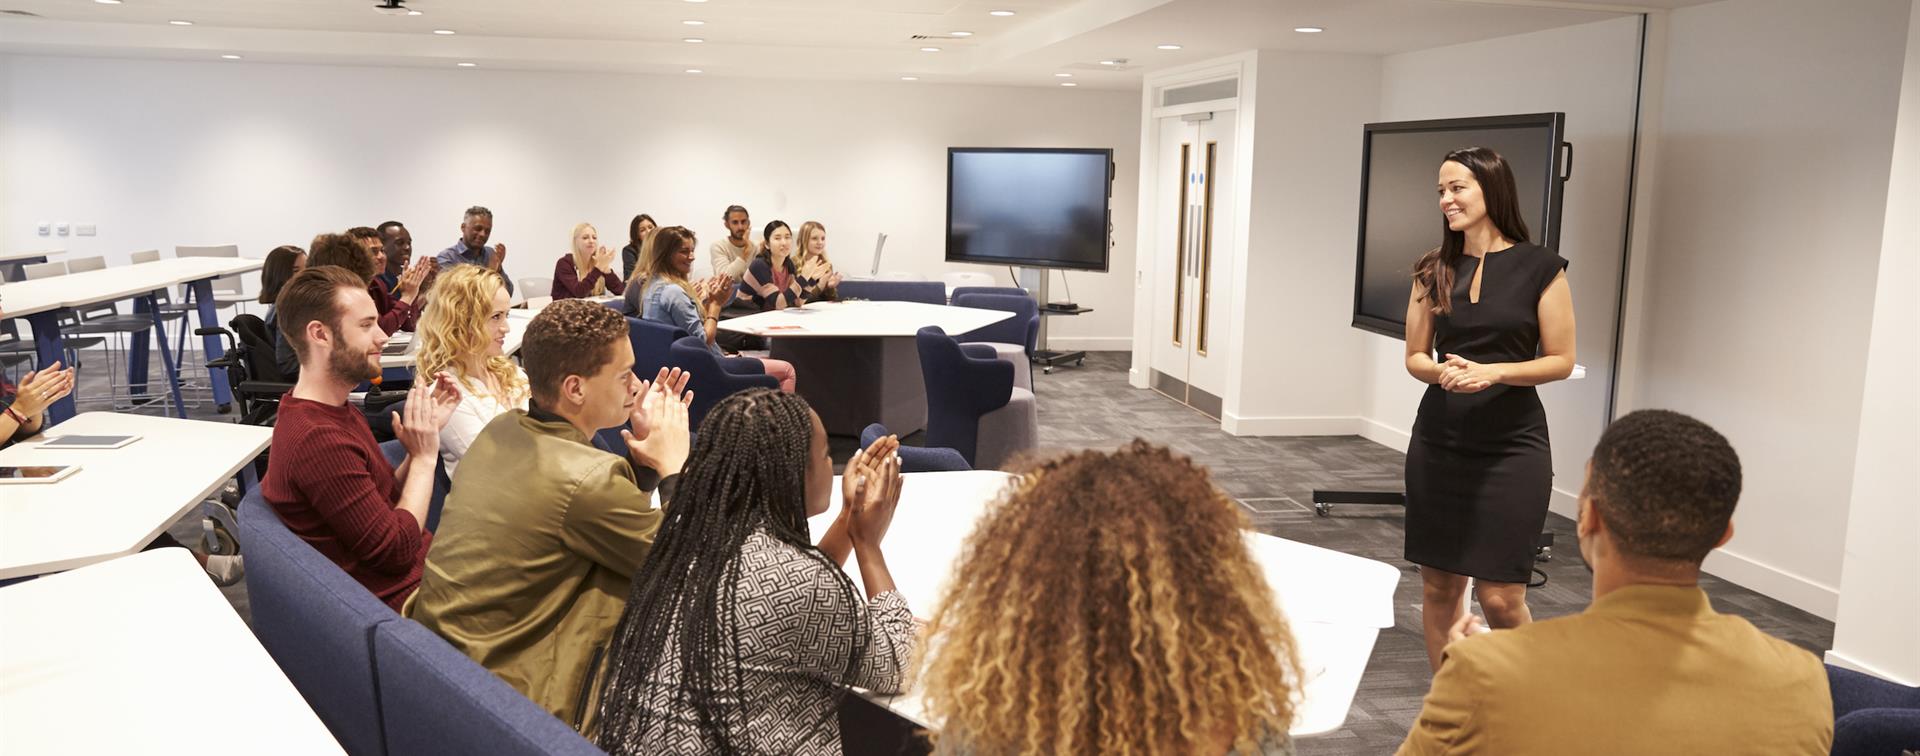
{"x":44,"y":227}
{"x":60,"y":228}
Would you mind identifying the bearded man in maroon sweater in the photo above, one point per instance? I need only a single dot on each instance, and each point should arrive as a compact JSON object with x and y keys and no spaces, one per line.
{"x":328,"y":480}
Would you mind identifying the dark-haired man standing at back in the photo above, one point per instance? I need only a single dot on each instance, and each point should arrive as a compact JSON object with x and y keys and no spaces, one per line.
{"x":1649,"y":667}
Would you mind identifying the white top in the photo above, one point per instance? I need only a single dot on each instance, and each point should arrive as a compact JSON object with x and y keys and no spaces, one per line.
{"x":121,"y":499}
{"x":477,"y":408}
{"x":1335,"y":603}
{"x":93,"y":663}
{"x":114,"y":283}
{"x":863,"y":318}
{"x":29,"y":254}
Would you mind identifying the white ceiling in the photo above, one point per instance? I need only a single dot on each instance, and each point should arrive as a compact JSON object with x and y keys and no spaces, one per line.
{"x":818,"y":39}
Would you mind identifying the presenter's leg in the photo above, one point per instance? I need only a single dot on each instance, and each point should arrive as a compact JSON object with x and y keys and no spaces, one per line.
{"x":1443,"y":599}
{"x":1504,"y":603}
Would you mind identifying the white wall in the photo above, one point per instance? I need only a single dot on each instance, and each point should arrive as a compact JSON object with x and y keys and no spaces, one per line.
{"x":1878,"y":628}
{"x":160,"y":153}
{"x":1295,"y":351}
{"x":1777,"y":135}
{"x":1587,"y":72}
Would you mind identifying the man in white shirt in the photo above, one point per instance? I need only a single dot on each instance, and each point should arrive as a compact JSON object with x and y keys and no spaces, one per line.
{"x":731,"y":255}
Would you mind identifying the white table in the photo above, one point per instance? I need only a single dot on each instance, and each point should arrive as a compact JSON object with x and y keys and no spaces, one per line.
{"x":13,"y":264}
{"x":856,"y":361}
{"x":121,"y":499}
{"x":43,"y":301}
{"x":93,"y":663}
{"x":1335,"y":603}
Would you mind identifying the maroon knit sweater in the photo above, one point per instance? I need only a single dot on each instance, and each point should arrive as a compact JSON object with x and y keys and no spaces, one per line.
{"x":395,"y":315}
{"x":332,"y":487}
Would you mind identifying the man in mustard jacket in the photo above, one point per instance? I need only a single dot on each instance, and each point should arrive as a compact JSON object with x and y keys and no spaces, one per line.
{"x":542,"y":531}
{"x":1649,"y":667}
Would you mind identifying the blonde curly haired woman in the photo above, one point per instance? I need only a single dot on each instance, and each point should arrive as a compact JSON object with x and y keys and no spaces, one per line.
{"x":464,"y":332}
{"x":1109,"y":605}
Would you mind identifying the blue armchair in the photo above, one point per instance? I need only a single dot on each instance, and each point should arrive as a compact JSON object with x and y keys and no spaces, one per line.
{"x":436,"y":700}
{"x":926,"y":292}
{"x":653,"y":344}
{"x":972,"y":405}
{"x":317,"y":623}
{"x":1872,"y":717}
{"x":914,"y":459}
{"x":1012,"y":339}
{"x":710,"y":382}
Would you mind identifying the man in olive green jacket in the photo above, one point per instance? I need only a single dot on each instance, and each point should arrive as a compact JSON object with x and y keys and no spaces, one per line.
{"x":542,"y":531}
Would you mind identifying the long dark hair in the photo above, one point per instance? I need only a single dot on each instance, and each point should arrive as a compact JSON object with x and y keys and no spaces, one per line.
{"x":1434,"y":271}
{"x":633,"y":229}
{"x":747,"y":473}
{"x":275,"y":272}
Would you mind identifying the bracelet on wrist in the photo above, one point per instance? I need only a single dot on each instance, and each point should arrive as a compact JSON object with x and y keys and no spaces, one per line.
{"x":17,"y":417}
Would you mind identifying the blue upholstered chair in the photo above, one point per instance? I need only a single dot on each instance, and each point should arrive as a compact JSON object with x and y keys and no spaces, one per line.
{"x":914,"y":459}
{"x":435,"y":700}
{"x":1872,"y":717}
{"x":653,"y":345}
{"x":926,"y":292}
{"x":710,"y":383}
{"x":1012,"y":339}
{"x":317,"y":623}
{"x":396,"y":453}
{"x":972,"y":405}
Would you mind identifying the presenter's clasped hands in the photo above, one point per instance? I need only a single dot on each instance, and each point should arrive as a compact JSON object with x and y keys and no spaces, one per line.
{"x":1463,"y":376}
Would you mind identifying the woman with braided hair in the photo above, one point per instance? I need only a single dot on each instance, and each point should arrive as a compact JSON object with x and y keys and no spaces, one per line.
{"x":740,"y":635}
{"x":1108,"y":605}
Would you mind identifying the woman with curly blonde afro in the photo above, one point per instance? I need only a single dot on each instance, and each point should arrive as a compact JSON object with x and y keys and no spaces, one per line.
{"x":1109,"y":605}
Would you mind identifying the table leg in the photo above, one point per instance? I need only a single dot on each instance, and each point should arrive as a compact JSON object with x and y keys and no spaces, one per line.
{"x":210,"y":344}
{"x":137,"y":345}
{"x":851,"y":382}
{"x":167,"y":357}
{"x":50,"y":347}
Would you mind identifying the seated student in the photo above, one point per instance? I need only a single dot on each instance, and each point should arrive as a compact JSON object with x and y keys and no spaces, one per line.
{"x":543,"y":530}
{"x":588,"y":270}
{"x":23,"y":407}
{"x":1649,"y":667}
{"x":327,"y":478}
{"x":773,"y":280}
{"x":639,"y":231}
{"x":739,"y":634}
{"x":667,"y":297}
{"x":376,"y":247}
{"x":396,"y":243}
{"x":818,"y":279}
{"x":463,"y":333}
{"x":1113,"y":590}
{"x":281,"y":264}
{"x":399,"y":309}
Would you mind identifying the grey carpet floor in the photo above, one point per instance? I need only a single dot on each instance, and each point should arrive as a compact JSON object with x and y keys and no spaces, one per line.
{"x":1093,"y":407}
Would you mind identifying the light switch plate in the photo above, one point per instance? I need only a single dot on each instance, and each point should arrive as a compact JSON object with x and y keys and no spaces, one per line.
{"x":84,"y":229}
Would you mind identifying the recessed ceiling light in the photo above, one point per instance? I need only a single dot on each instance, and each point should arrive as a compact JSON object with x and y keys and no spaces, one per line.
{"x":444,"y":32}
{"x":1308,"y":29}
{"x":230,"y":56}
{"x":1064,"y":75}
{"x":692,"y":40}
{"x":1109,"y":62}
{"x":108,"y":2}
{"x":909,"y":78}
{"x":1168,"y":47}
{"x":464,"y":64}
{"x":412,"y":12}
{"x":929,"y":49}
{"x":694,"y":22}
{"x":1002,"y":13}
{"x":959,"y":34}
{"x":694,"y":71}
{"x":180,"y":23}
{"x":696,"y":1}
{"x":1068,"y":84}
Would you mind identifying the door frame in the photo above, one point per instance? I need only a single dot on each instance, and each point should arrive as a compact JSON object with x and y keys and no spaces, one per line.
{"x":1147,"y":263}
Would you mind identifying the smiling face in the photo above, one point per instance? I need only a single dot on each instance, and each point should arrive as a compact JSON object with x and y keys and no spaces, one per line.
{"x":497,"y":324}
{"x":1461,"y":200}
{"x":354,"y":341}
{"x":476,"y":229}
{"x":646,"y":227}
{"x":682,"y":261}
{"x":817,"y":242}
{"x":586,"y":241}
{"x":780,"y":242}
{"x":737,"y":225}
{"x":607,"y":395}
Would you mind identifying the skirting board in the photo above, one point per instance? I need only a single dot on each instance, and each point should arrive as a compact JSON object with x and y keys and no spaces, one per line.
{"x":1289,"y":426}
{"x":1835,"y":658}
{"x":1090,"y":343}
{"x":1821,"y":600}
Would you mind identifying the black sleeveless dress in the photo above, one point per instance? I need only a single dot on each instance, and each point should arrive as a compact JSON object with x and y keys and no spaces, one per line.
{"x":1479,"y":467}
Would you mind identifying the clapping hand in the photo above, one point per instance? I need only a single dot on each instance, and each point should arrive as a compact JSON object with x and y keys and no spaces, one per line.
{"x":657,"y":434}
{"x":41,"y":388}
{"x":1463,"y":376}
{"x":603,"y":259}
{"x":1469,"y":624}
{"x":870,"y":491}
{"x":499,"y":256}
{"x":408,"y":287}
